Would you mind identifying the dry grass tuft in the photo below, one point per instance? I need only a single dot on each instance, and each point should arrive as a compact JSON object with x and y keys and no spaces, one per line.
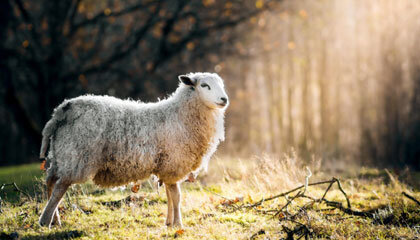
{"x":264,"y":173}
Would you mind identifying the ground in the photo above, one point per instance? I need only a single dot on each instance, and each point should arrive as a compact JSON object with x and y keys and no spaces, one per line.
{"x":219,"y":205}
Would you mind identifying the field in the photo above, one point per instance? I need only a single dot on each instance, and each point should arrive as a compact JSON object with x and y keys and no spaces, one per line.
{"x":225,"y":203}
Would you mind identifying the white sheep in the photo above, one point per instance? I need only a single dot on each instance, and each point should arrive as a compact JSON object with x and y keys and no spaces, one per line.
{"x":114,"y":142}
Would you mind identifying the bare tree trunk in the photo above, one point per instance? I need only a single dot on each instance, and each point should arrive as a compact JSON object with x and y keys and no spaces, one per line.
{"x":280,"y":72}
{"x":273,"y":102}
{"x":365,"y":142}
{"x":306,"y":105}
{"x":264,"y":106}
{"x":290,"y":81}
{"x":323,"y":95}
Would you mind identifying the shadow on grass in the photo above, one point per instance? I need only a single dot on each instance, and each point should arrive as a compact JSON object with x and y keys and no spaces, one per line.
{"x":406,"y":176}
{"x":26,"y":177}
{"x":72,"y":234}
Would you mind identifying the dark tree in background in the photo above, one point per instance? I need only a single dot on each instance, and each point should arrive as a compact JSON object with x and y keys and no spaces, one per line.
{"x":52,"y":50}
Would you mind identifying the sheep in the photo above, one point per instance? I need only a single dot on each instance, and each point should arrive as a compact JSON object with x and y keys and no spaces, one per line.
{"x":114,"y":142}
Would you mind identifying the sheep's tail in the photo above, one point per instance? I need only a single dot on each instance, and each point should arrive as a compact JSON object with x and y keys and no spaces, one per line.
{"x":46,"y":135}
{"x":51,"y":126}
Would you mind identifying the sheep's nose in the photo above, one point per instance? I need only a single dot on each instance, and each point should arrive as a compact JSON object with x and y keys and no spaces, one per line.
{"x":223,"y":99}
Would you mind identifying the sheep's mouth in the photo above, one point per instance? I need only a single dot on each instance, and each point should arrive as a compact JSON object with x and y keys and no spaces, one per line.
{"x":221,"y":104}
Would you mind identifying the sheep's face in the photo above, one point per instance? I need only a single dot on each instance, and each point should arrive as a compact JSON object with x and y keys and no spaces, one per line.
{"x":209,"y":87}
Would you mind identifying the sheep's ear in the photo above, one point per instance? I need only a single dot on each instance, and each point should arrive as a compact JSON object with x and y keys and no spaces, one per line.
{"x":186,"y":80}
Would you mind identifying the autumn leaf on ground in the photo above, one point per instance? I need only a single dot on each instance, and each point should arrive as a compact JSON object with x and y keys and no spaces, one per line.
{"x":179,"y":232}
{"x":281,"y":215}
{"x":135,"y":188}
{"x":228,"y":202}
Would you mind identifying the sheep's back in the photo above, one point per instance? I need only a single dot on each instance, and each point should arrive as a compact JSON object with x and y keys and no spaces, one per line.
{"x":104,"y":139}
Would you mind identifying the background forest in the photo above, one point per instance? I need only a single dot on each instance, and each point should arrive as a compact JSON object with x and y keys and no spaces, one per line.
{"x":328,"y":79}
{"x":334,"y":80}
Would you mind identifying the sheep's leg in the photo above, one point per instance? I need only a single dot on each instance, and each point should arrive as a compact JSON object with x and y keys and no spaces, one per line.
{"x":51,"y":180}
{"x":175,"y":192}
{"x":57,"y":193}
{"x":170,"y":215}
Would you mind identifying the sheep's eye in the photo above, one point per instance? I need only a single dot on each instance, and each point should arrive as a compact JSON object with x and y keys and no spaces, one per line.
{"x":205,"y":85}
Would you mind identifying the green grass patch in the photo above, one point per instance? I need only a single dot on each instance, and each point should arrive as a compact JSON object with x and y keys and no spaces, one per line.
{"x":25,"y":176}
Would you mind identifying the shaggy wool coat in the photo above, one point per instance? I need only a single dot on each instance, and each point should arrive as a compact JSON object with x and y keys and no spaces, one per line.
{"x":114,"y":141}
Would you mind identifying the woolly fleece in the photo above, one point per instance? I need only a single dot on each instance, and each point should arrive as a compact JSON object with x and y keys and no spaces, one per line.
{"x":114,"y":141}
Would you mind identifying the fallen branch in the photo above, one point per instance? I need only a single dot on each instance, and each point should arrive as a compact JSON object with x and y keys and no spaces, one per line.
{"x":326,"y":191}
{"x":380,"y":215}
{"x":261,"y":232}
{"x":16,"y":188}
{"x":331,"y":182}
{"x":214,"y":193}
{"x":342,"y":191}
{"x":301,"y":230}
{"x":349,"y":211}
{"x":288,"y":202}
{"x":372,"y":214}
{"x":411,"y":197}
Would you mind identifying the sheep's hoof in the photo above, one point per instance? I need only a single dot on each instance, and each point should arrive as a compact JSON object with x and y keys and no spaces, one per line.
{"x":169,"y":222}
{"x":44,"y":222}
{"x":56,"y":223}
{"x":178,"y":225}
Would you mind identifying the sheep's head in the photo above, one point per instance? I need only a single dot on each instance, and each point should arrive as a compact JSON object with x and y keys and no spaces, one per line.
{"x":209,"y":87}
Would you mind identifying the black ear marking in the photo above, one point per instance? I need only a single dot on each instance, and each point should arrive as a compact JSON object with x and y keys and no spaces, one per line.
{"x":186,"y":80}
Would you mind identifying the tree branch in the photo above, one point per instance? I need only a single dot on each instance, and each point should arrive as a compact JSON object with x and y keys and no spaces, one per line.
{"x":28,"y":20}
{"x":72,"y":13}
{"x":118,"y":53}
{"x":198,"y":34}
{"x":103,"y":15}
{"x":168,"y":27}
{"x":26,"y":17}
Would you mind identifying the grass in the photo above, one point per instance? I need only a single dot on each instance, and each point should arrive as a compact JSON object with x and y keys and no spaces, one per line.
{"x":23,"y":176}
{"x":91,"y":213}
